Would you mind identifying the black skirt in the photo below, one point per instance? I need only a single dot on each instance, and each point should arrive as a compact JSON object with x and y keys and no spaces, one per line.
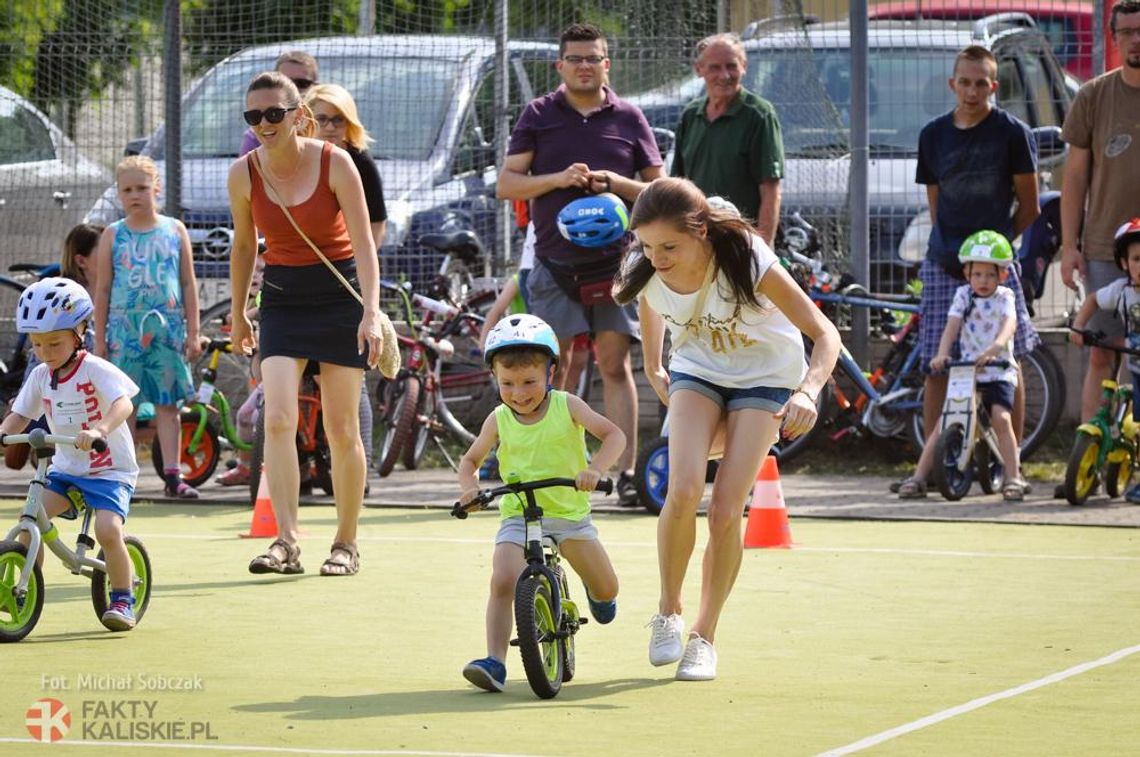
{"x":307,"y":313}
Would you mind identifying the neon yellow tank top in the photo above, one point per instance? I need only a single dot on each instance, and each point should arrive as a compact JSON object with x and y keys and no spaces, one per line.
{"x":553,"y":447}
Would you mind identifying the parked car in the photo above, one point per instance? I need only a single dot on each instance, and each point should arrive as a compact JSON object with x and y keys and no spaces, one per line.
{"x":427,"y":101}
{"x":45,"y":183}
{"x":1067,"y":24}
{"x":805,"y":74}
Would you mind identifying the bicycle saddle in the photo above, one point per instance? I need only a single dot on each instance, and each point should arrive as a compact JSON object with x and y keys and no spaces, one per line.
{"x":463,"y":243}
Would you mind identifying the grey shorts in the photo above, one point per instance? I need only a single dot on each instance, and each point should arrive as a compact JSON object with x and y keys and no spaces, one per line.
{"x":569,"y":318}
{"x":1101,"y":273}
{"x":513,"y":530}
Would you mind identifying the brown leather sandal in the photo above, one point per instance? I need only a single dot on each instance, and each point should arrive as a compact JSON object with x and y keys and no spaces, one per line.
{"x":287,"y":560}
{"x":344,"y":560}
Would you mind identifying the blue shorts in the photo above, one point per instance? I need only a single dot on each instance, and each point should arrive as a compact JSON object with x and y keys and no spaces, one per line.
{"x":769,"y":398}
{"x":99,"y":494}
{"x":996,"y":393}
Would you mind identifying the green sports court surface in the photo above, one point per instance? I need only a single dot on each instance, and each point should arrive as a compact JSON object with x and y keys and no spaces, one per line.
{"x":879,"y":638}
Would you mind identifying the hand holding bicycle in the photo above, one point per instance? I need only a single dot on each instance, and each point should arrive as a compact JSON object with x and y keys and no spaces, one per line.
{"x":478,"y":499}
{"x":587,"y":480}
{"x":939,"y":362}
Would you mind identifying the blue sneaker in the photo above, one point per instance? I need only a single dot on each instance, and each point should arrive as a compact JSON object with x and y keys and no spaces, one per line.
{"x":1133,"y":495}
{"x":488,"y":674}
{"x":603,"y":612}
{"x":119,"y":616}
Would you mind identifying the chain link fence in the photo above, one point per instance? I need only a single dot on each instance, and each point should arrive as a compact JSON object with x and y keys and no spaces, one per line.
{"x":83,"y":81}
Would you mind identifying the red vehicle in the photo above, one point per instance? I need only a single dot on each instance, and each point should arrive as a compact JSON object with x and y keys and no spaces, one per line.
{"x":1068,"y":25}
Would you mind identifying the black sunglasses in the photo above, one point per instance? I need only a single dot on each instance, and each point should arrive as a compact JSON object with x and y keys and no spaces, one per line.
{"x":272,"y":115}
{"x":303,"y":84}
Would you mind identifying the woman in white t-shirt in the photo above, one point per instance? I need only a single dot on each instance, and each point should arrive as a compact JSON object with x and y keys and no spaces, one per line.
{"x":736,"y":373}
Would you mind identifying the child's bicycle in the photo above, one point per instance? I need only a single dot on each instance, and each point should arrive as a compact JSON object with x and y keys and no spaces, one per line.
{"x":207,"y":425}
{"x":967,"y":445}
{"x":545,"y":616}
{"x":1107,"y":441}
{"x":21,"y":580}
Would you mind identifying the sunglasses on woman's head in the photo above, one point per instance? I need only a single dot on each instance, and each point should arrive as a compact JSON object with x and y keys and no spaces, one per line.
{"x":272,"y":115}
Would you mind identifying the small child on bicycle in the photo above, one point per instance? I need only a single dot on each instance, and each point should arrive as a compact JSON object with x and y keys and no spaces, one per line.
{"x":1121,"y":297}
{"x":89,"y":398}
{"x":539,"y":433}
{"x":982,"y":322}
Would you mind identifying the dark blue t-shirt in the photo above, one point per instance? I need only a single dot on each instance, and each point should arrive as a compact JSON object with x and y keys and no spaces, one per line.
{"x":974,"y":170}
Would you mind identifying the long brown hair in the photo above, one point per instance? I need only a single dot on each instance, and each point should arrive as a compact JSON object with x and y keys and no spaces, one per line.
{"x":680,"y":203}
{"x":306,"y":125}
{"x":79,"y":243}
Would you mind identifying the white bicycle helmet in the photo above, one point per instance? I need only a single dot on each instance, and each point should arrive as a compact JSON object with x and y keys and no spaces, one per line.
{"x":521,"y":330}
{"x":53,"y":304}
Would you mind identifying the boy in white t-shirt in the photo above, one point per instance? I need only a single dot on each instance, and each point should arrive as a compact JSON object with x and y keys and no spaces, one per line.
{"x":86,"y":397}
{"x":1121,"y":297}
{"x":982,"y":321}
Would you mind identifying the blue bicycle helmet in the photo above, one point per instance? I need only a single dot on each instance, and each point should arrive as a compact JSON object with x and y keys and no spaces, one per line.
{"x":594,"y":221}
{"x":521,"y":330}
{"x":53,"y":304}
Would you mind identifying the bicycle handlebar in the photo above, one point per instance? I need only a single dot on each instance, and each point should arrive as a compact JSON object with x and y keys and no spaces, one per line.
{"x":973,"y":363}
{"x":37,"y":438}
{"x":1099,"y":339}
{"x":487,"y":496}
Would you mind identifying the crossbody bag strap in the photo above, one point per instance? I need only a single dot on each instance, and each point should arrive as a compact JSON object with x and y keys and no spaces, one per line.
{"x":702,"y":297}
{"x":272,"y":193}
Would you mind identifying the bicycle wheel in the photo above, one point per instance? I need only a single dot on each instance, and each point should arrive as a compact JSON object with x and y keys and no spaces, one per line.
{"x":1044,"y":394}
{"x":413,"y":451}
{"x":18,"y":619}
{"x":11,"y":345}
{"x":1081,"y":472}
{"x":567,"y":644}
{"x":199,"y":465}
{"x":233,"y":367}
{"x":651,"y":475}
{"x":400,"y":423}
{"x":989,"y":468}
{"x":537,"y":627}
{"x":143,"y":580}
{"x":953,"y":483}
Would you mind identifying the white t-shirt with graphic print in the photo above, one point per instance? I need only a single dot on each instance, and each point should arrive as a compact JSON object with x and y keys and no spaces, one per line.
{"x":78,"y":402}
{"x":981,"y":327}
{"x":1124,"y":299}
{"x":730,"y":344}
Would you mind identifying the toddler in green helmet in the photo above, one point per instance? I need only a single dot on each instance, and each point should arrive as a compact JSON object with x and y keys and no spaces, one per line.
{"x":981,"y":322}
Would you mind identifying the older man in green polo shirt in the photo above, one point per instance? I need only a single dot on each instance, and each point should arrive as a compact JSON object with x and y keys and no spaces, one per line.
{"x":729,"y":141}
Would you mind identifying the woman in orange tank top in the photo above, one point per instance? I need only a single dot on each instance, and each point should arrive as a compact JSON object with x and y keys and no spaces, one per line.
{"x":306,"y":314}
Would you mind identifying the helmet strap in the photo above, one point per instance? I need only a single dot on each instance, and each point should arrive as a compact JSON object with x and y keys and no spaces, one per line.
{"x":74,"y":353}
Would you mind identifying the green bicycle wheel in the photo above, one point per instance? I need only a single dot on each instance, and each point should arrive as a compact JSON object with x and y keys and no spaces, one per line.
{"x":1081,"y":472}
{"x":18,"y":619}
{"x":140,"y":569}
{"x":537,"y":627}
{"x":566,"y":645}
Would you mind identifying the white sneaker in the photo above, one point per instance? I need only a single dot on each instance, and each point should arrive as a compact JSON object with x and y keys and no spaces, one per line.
{"x":665,"y":643}
{"x":698,"y":662}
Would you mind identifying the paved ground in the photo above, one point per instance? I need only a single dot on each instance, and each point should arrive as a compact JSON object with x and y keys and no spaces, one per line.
{"x":857,"y":497}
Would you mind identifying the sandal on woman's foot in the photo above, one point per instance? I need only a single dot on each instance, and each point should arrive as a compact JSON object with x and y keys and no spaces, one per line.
{"x":344,"y":560}
{"x":281,"y":557}
{"x":912,"y":488}
{"x":1013,"y":490}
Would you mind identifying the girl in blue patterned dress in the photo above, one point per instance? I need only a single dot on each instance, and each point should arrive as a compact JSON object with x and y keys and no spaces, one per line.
{"x":146,"y":307}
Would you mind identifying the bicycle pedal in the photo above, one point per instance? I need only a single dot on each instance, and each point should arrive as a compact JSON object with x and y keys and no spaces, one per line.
{"x":514,"y":642}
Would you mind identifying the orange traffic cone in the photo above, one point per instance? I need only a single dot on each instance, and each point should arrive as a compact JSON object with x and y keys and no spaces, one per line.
{"x":767,"y":517}
{"x":264,"y":524}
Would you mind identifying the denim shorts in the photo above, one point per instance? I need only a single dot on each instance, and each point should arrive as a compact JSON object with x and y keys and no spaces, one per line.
{"x":513,"y":530}
{"x":996,"y":393}
{"x":770,"y":398}
{"x":100,"y":494}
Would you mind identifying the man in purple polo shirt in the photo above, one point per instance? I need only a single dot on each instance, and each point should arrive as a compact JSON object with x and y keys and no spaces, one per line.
{"x":582,"y":139}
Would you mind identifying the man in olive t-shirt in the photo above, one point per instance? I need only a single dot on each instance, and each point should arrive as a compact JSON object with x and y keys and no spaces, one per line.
{"x":729,"y":142}
{"x":1103,"y":132}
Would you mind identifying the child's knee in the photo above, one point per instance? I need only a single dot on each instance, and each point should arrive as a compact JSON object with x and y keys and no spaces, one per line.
{"x":605,"y":587}
{"x":503,"y":583}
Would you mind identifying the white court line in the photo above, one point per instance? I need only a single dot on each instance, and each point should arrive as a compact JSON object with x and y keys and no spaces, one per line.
{"x":262,"y":749}
{"x":975,"y":704}
{"x":653,"y":545}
